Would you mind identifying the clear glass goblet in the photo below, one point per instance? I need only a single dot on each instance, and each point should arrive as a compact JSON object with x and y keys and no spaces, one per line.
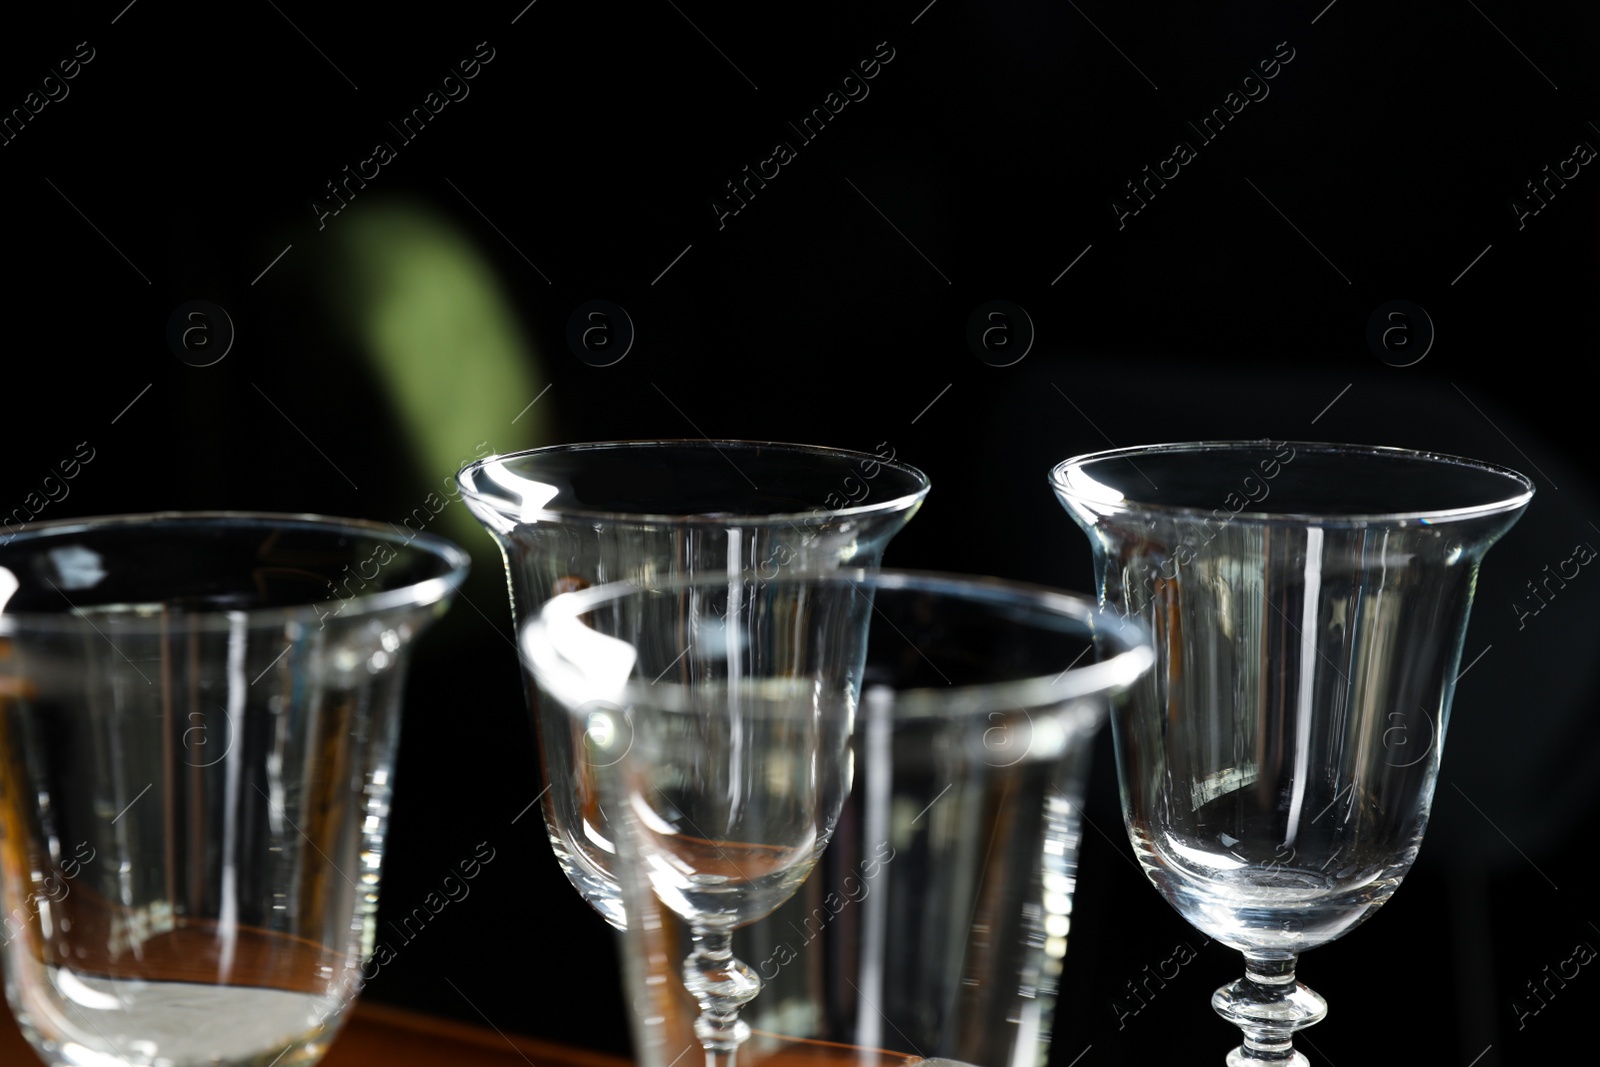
{"x":571,"y":516}
{"x":716,"y":717}
{"x":1308,"y":604}
{"x":936,"y":921}
{"x":198,"y":721}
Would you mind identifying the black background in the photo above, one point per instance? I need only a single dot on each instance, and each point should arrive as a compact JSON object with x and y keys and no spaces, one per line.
{"x":834,"y":309}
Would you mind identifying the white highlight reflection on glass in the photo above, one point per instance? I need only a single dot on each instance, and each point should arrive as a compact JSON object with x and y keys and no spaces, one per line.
{"x":79,"y":567}
{"x":532,"y":495}
{"x":1079,"y":481}
{"x":8,"y":586}
{"x":78,"y":993}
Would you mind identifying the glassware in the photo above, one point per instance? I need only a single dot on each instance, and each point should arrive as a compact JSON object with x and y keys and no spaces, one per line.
{"x":721,"y":715}
{"x":1308,"y":604}
{"x":571,"y":516}
{"x":935,"y":922}
{"x":198,"y":720}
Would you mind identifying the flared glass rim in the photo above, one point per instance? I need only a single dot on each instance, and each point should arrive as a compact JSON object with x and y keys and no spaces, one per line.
{"x":1133,"y":506}
{"x":1102,"y":678}
{"x":416,"y":594}
{"x":891,"y":506}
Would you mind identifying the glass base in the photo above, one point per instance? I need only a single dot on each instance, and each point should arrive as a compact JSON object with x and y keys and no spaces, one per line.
{"x":1242,"y":1057}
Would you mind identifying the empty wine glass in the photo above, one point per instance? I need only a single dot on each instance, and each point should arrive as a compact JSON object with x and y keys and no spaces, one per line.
{"x":936,"y":922}
{"x":716,"y":717}
{"x":198,"y":721}
{"x":571,"y":516}
{"x":1308,"y":604}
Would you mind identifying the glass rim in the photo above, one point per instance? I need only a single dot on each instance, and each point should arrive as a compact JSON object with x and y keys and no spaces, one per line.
{"x":1108,"y":677}
{"x":1059,"y":475}
{"x":428,"y":591}
{"x":649,"y":518}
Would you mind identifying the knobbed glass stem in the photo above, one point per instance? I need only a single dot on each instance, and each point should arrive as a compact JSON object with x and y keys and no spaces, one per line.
{"x":1269,"y":1006}
{"x":722,"y":984}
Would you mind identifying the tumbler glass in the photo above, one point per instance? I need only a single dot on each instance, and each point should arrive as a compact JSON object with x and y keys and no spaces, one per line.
{"x":198,"y":721}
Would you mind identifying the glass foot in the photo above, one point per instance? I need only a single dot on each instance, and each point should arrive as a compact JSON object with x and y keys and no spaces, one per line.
{"x":1241,"y":1057}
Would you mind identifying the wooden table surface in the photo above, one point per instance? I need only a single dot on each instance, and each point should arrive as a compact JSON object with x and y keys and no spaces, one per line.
{"x":379,"y":1036}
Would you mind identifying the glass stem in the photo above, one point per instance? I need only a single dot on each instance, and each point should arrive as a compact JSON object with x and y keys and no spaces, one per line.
{"x":1269,"y":1006}
{"x":722,"y":985}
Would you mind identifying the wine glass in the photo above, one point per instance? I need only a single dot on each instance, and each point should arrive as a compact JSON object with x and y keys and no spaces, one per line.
{"x":570,"y":516}
{"x":198,"y":721}
{"x":716,"y":716}
{"x":1308,"y":604}
{"x":937,"y":920}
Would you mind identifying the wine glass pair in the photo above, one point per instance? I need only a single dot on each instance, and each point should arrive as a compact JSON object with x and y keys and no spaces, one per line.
{"x":705,"y":719}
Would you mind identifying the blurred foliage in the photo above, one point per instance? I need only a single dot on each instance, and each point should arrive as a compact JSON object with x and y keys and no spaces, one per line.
{"x":427,"y":309}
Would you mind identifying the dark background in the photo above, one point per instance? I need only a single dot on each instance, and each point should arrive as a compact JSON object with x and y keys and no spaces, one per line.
{"x":834,"y":309}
